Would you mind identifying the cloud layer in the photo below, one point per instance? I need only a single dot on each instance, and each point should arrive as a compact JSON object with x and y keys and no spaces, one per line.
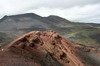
{"x":74,"y":10}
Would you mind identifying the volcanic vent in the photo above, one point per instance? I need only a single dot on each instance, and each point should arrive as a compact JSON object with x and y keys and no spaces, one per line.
{"x":41,"y":48}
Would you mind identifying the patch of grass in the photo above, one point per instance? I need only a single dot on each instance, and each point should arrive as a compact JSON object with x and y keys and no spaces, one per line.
{"x":71,"y":34}
{"x":82,"y":36}
{"x":86,"y":40}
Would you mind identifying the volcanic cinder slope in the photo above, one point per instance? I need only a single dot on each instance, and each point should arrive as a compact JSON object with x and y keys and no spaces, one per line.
{"x":39,"y":48}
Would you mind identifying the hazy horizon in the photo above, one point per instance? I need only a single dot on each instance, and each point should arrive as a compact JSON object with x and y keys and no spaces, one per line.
{"x":73,"y":10}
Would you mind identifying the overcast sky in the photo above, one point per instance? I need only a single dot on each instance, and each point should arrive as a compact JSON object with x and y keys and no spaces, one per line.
{"x":74,"y":10}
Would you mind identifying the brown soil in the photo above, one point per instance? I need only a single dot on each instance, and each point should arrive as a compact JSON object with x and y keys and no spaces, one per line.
{"x":39,"y":48}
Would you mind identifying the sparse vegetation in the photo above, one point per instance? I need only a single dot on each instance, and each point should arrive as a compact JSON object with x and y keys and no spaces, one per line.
{"x":77,"y":32}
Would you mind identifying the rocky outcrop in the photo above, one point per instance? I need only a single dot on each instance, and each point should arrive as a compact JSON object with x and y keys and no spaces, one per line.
{"x":45,"y":48}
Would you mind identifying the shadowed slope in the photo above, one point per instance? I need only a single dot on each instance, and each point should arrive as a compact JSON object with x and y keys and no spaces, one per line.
{"x":15,"y":25}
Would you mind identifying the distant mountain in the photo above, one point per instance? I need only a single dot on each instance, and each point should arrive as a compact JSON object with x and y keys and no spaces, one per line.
{"x":15,"y":25}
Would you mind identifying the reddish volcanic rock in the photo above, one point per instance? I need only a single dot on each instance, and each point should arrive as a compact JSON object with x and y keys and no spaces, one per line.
{"x":45,"y":48}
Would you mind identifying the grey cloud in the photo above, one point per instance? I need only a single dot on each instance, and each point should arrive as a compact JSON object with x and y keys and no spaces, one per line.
{"x":74,"y":10}
{"x":86,"y":13}
{"x":66,"y":3}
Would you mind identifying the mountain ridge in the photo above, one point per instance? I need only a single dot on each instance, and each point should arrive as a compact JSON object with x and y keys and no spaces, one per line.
{"x":23,"y":23}
{"x":84,"y":36}
{"x":45,"y":46}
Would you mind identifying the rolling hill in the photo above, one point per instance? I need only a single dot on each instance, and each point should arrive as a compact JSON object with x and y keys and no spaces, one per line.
{"x":14,"y":26}
{"x":82,"y":46}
